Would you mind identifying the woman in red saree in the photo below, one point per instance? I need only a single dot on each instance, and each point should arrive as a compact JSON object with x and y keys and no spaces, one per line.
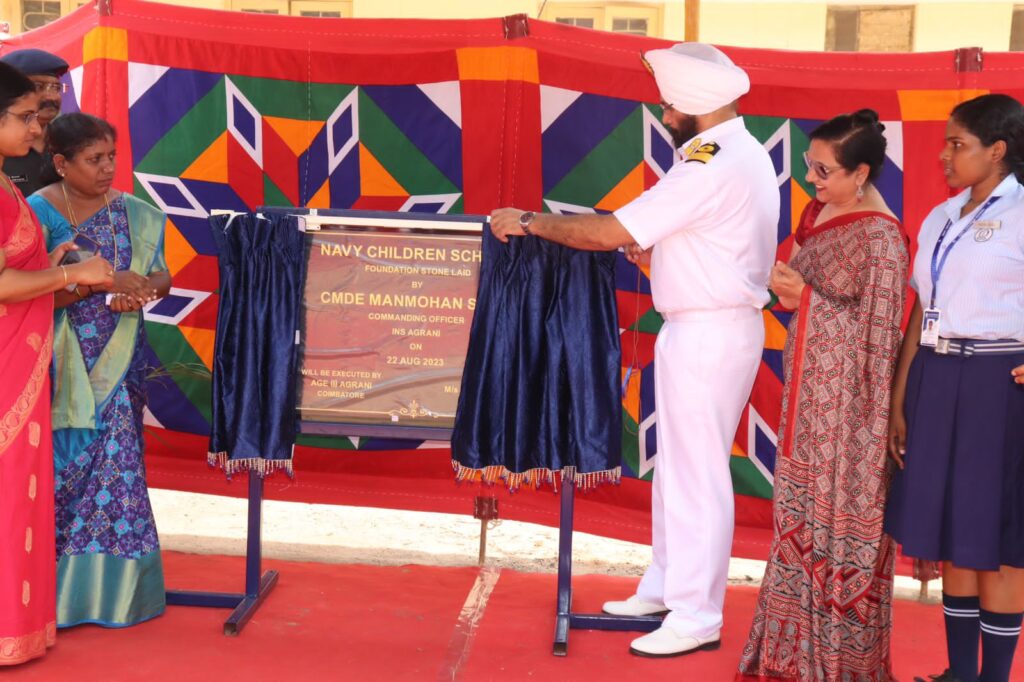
{"x":28,"y":278}
{"x":824,"y":611}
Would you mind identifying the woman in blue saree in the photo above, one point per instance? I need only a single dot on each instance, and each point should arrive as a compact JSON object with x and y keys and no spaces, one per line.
{"x":108,"y":556}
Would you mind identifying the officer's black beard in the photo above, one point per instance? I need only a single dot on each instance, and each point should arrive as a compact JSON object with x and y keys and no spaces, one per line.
{"x":687,"y":129}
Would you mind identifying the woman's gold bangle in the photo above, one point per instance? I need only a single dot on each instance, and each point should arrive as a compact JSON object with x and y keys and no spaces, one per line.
{"x":65,"y":271}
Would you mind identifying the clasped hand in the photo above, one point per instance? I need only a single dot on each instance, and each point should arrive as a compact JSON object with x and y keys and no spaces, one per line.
{"x":788,"y":285}
{"x":131,"y":292}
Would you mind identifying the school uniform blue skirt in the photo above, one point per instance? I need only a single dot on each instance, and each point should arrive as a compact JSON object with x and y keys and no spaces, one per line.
{"x":960,"y":497}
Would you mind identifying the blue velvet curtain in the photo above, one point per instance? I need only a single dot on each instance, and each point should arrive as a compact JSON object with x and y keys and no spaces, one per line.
{"x":262,"y":264}
{"x":540,"y":393}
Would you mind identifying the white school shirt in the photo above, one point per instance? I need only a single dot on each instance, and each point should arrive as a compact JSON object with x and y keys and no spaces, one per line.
{"x":981,"y":288}
{"x":713,"y":222}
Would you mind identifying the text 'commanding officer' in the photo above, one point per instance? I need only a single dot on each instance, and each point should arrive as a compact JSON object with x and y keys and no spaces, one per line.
{"x":709,"y":229}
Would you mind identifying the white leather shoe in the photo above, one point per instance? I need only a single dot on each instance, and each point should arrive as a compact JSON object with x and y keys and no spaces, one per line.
{"x":665,"y":642}
{"x":634,"y":606}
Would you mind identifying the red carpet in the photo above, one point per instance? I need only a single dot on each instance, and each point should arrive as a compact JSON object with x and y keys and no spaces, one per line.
{"x":354,"y":622}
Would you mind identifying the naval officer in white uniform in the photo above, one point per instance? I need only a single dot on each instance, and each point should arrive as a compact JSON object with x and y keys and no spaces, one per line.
{"x":709,"y":228}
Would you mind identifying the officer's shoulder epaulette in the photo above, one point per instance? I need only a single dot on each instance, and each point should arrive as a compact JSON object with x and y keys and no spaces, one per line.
{"x":700,"y":152}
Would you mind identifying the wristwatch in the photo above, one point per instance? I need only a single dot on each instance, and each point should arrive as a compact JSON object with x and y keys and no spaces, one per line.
{"x":524,"y":221}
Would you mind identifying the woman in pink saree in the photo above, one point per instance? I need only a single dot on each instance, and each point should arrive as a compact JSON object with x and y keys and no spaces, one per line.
{"x":28,"y":278}
{"x":824,"y":611}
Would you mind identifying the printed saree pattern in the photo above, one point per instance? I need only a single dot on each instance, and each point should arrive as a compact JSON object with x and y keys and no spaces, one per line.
{"x":109,"y":570}
{"x":824,"y":611}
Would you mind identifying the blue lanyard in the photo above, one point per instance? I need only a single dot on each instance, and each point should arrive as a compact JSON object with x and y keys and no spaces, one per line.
{"x":939,"y":263}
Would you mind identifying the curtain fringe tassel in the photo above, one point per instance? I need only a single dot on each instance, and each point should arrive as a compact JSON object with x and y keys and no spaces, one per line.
{"x":257,"y":465}
{"x":536,"y":478}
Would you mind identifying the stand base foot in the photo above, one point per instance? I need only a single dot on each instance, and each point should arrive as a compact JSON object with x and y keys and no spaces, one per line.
{"x":598,"y":621}
{"x":244,"y":605}
{"x":245,"y":610}
{"x":210,"y":600}
{"x":603,"y":621}
{"x":561,"y":645}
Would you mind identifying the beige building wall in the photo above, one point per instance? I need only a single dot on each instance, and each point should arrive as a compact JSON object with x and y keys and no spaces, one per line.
{"x":949,"y":25}
{"x":779,"y":25}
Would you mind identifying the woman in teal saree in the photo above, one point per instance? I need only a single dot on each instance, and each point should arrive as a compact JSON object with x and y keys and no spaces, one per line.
{"x":108,"y":570}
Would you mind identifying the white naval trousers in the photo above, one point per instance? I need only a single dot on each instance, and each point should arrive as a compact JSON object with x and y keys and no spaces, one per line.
{"x":705,"y":364}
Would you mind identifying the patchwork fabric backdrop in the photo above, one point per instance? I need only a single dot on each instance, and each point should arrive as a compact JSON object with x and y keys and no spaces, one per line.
{"x":230,"y":111}
{"x":600,"y":152}
{"x":205,"y":141}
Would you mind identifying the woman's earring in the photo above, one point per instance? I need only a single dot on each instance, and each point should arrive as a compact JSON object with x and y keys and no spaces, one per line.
{"x":860,"y":192}
{"x":60,"y":172}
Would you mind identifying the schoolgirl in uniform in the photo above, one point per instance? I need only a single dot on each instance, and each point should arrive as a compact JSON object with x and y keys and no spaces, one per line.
{"x":957,"y":424}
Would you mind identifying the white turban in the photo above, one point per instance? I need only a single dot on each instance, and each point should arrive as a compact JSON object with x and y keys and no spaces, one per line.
{"x":697,"y":78}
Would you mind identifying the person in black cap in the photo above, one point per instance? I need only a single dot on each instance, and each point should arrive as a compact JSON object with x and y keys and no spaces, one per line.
{"x":44,"y":70}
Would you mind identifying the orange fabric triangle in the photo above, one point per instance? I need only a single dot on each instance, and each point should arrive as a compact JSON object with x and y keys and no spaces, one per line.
{"x":774,"y":332}
{"x":295,"y":133}
{"x":629,"y":188}
{"x":798,"y":201}
{"x":322,"y":198}
{"x":212,"y":164}
{"x":375,"y":180}
{"x":201,"y":341}
{"x":177,"y":251}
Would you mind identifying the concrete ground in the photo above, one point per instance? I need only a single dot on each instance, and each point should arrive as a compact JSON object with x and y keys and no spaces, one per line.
{"x":211,"y":524}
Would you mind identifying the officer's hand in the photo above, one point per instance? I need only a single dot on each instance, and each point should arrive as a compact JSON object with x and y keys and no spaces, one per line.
{"x":1018,"y":374}
{"x":637,"y":255}
{"x":787,"y":284}
{"x":505,"y":223}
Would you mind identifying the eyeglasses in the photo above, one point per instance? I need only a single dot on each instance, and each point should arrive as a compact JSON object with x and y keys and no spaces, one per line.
{"x":666,"y":107}
{"x":820,"y":169}
{"x":51,"y":87}
{"x":25,"y":117}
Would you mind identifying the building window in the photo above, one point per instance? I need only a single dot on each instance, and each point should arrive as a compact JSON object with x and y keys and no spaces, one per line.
{"x":870,"y":29}
{"x":333,"y":9}
{"x":573,"y":14}
{"x":260,"y":6}
{"x":641,"y":20}
{"x":36,"y":13}
{"x":637,"y":27}
{"x":1017,"y":29}
{"x":582,"y":22}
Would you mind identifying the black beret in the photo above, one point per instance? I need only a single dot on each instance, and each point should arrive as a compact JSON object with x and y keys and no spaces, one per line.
{"x":33,"y":62}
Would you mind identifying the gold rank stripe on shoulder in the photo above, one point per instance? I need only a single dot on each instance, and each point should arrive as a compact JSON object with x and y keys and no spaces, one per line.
{"x":701,"y":152}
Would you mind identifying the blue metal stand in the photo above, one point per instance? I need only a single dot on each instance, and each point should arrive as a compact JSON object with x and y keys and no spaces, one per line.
{"x":257,"y":587}
{"x":565,"y":619}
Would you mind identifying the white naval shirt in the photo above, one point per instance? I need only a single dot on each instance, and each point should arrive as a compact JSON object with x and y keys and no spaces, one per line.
{"x":713,"y":220}
{"x":981,"y":287}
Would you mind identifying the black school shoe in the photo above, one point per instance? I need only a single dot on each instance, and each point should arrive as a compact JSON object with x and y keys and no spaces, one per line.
{"x":946,"y":676}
